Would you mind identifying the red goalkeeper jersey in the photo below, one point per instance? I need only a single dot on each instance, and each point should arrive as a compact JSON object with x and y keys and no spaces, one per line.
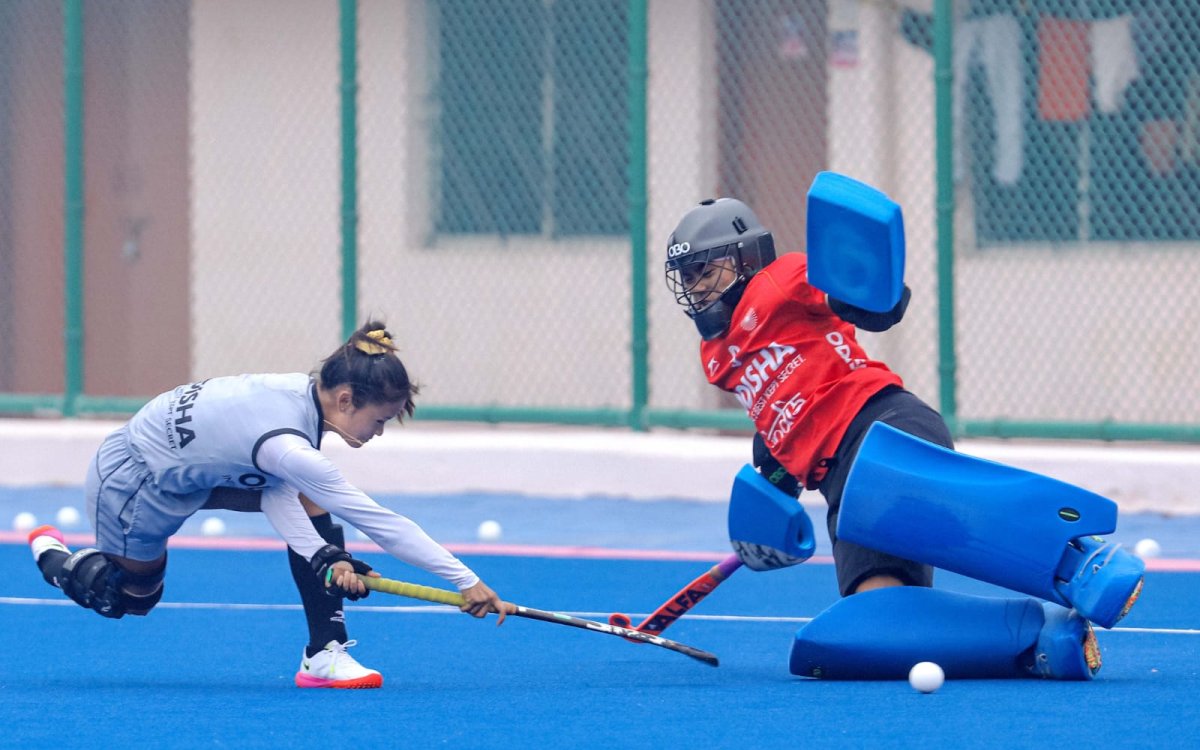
{"x":795,"y":367}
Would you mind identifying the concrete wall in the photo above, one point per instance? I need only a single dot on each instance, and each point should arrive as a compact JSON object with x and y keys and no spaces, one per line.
{"x":265,"y":185}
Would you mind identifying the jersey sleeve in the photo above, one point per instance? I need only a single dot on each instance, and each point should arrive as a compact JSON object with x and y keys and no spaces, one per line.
{"x":281,"y":505}
{"x":789,"y":274}
{"x":308,"y":471}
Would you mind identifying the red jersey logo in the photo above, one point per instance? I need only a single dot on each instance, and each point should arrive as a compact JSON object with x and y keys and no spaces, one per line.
{"x":795,"y":367}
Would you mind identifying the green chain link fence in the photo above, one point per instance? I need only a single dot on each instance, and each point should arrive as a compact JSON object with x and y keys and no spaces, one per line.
{"x":1078,"y":192}
{"x":190,"y":189}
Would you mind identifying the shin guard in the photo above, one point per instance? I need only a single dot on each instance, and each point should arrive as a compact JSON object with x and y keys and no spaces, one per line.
{"x":881,"y":634}
{"x":995,"y":523}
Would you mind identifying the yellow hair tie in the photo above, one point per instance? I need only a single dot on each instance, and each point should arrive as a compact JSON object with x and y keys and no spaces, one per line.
{"x":384,"y":345}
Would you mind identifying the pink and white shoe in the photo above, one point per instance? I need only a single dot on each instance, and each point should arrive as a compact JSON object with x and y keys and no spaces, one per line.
{"x":333,"y":667}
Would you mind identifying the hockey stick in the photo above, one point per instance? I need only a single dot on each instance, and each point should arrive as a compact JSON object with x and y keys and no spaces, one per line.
{"x":768,"y":530}
{"x":679,"y":604}
{"x":442,"y":596}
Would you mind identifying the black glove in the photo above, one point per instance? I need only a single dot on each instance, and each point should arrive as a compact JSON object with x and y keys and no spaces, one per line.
{"x":868,"y":320}
{"x":323,"y":561}
{"x":772,"y":469}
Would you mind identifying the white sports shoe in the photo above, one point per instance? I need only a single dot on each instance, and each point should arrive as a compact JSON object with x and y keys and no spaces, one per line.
{"x":333,"y":667}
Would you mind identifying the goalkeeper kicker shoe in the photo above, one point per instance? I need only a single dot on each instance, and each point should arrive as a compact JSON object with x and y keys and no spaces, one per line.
{"x":1066,"y":647}
{"x":334,"y":667}
{"x":1100,"y":579}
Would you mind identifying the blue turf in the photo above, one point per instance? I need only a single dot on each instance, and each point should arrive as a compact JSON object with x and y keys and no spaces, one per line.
{"x":678,"y":524}
{"x":221,"y":677}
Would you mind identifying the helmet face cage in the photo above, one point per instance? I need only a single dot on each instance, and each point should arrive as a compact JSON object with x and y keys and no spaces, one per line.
{"x":685,"y":274}
{"x":745,"y":258}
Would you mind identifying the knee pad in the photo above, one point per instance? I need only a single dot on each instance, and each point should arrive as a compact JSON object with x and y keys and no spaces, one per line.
{"x":95,"y":582}
{"x":131,"y":585}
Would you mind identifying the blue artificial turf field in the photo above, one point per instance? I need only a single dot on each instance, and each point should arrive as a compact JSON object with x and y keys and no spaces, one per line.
{"x":212,"y":666}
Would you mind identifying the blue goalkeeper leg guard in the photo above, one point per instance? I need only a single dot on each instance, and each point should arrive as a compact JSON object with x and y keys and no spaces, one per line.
{"x":881,"y":634}
{"x":995,"y":523}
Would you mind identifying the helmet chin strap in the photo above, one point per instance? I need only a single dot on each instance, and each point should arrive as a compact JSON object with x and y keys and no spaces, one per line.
{"x":348,"y":438}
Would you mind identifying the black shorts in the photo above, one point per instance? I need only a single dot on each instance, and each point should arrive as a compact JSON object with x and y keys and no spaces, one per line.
{"x":904,"y":411}
{"x":237,"y":499}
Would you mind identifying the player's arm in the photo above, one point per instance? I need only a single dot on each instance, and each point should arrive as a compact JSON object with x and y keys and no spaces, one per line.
{"x":314,"y":475}
{"x":281,"y":505}
{"x":868,"y":320}
{"x":479,"y":600}
{"x":287,"y":516}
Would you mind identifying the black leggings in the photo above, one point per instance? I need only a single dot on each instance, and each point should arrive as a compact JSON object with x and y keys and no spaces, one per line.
{"x":904,"y":411}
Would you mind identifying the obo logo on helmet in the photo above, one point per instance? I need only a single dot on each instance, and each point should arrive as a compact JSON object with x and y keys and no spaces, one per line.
{"x":681,"y":248}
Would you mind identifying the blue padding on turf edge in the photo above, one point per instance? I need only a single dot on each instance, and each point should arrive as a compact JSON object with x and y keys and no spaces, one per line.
{"x":881,"y":634}
{"x":855,"y":242}
{"x":995,"y":523}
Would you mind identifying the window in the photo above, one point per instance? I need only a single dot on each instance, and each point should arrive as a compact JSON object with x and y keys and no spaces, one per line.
{"x":532,"y":135}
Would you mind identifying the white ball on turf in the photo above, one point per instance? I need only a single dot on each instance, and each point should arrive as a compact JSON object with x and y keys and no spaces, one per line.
{"x":24,"y":521}
{"x":1147,"y":548}
{"x":212,"y":527}
{"x":68,"y":517}
{"x":925,"y":677}
{"x":489,"y":531}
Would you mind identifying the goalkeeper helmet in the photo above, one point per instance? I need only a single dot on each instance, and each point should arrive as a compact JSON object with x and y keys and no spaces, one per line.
{"x":716,"y":248}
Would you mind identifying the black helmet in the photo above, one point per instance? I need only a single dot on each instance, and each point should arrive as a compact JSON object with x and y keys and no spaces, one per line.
{"x":712,"y":232}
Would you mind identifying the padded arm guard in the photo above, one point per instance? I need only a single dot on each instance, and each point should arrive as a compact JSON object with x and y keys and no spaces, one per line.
{"x":322,"y":563}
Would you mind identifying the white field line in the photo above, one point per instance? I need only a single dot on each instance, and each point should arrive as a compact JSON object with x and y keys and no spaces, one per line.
{"x":445,"y":609}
